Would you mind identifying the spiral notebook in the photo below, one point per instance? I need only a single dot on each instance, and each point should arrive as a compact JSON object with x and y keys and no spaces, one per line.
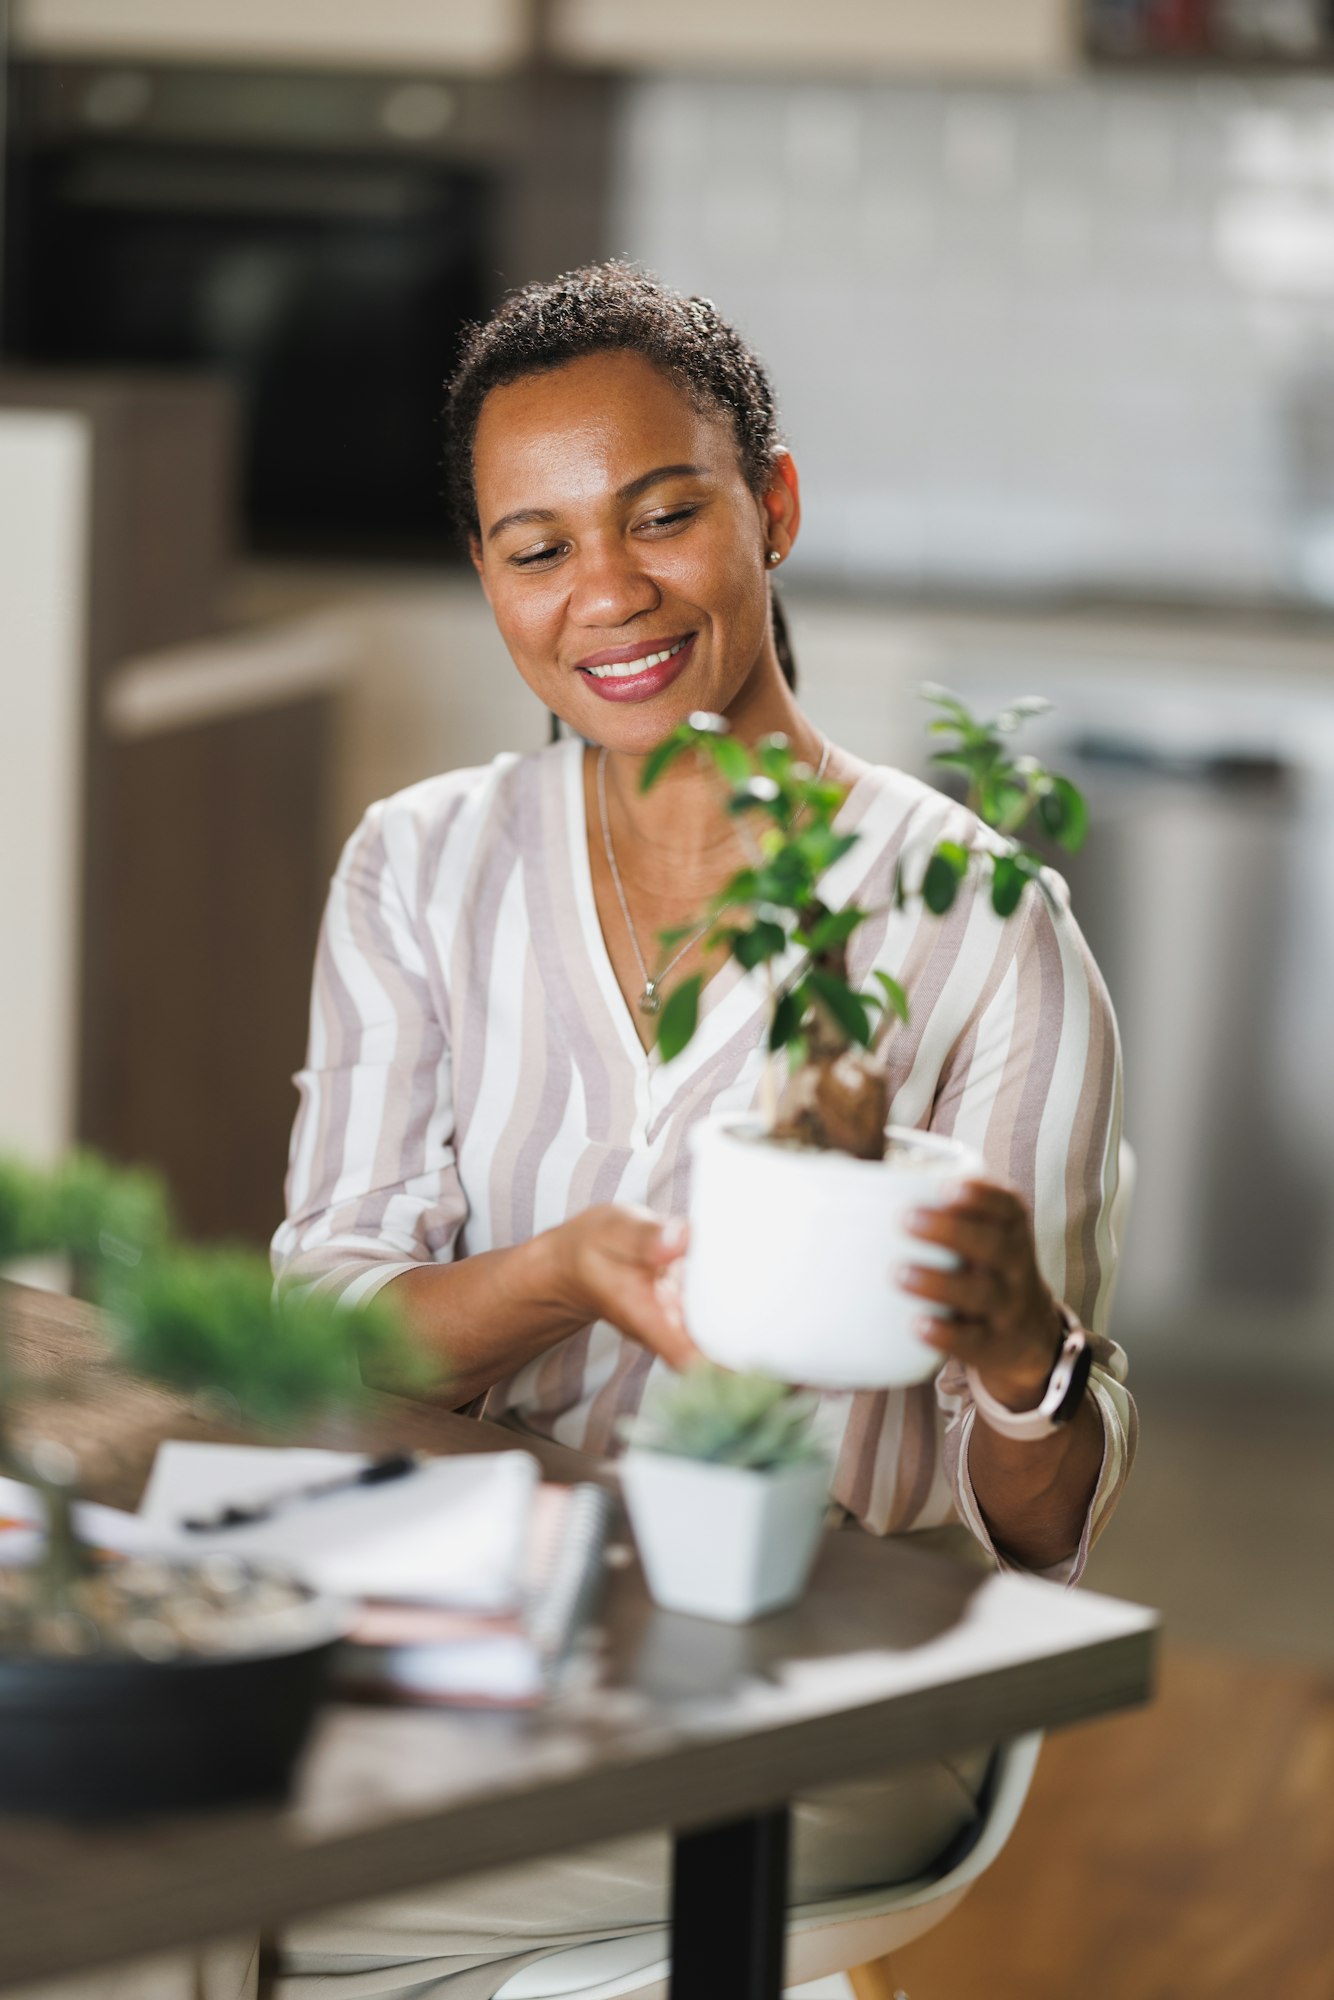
{"x":433,"y":1654}
{"x":473,"y":1579}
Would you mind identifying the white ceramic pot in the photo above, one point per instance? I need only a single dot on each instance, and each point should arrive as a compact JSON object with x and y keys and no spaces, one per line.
{"x":720,"y":1541}
{"x":792,"y":1254}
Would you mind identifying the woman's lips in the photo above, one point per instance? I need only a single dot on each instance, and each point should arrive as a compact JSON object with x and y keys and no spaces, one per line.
{"x":621,"y":686}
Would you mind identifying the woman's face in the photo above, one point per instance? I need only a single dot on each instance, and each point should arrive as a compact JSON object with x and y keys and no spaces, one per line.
{"x":621,"y":550}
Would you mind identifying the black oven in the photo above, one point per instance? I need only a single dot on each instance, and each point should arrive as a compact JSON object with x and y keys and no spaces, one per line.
{"x":318,"y":239}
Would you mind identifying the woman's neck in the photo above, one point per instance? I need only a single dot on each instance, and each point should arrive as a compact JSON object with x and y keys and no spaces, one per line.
{"x":683,"y":823}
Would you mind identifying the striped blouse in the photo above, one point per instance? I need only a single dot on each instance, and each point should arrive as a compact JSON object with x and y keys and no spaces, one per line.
{"x":474,"y":1076}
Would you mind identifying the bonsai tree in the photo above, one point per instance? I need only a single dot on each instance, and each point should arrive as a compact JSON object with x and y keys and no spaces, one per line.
{"x":198,"y":1320}
{"x":836,"y":1094}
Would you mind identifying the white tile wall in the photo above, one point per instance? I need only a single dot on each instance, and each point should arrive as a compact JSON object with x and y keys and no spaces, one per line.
{"x":1069,"y":337}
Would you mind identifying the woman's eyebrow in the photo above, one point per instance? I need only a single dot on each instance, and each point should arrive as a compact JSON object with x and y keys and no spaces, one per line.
{"x":522,"y":516}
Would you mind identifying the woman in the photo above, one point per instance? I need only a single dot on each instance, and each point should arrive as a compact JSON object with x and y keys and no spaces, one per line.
{"x":485,"y":1129}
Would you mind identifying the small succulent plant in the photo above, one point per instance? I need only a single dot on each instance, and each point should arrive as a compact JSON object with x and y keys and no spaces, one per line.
{"x":836,"y":1094}
{"x":709,"y":1413}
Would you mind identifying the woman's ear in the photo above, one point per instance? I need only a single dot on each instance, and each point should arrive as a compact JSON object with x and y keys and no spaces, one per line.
{"x":781,"y":501}
{"x":475,"y":554}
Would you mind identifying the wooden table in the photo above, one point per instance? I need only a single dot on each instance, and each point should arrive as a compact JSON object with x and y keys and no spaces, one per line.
{"x":895,"y":1654}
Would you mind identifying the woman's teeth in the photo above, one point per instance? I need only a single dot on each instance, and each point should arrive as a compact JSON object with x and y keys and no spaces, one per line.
{"x":629,"y":667}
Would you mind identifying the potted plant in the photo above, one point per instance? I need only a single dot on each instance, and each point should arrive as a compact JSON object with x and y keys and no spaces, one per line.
{"x":725,"y":1486}
{"x":795,"y":1214}
{"x":140,"y":1684}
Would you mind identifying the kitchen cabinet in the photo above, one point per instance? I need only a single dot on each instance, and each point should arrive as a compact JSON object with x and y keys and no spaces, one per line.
{"x":441,"y":34}
{"x":163,"y":856}
{"x":1014,"y":38}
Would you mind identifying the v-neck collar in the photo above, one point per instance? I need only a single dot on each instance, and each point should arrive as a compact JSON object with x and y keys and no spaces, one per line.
{"x":731,"y":994}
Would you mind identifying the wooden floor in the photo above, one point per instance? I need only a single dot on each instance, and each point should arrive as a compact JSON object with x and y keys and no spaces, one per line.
{"x":1185,"y":1852}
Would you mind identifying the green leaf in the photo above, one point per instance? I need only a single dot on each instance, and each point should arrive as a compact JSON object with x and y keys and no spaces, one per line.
{"x":820,"y":847}
{"x":662,"y":755}
{"x":743,"y":888}
{"x":1002,"y":801}
{"x":1064,"y":814}
{"x":847,"y":1008}
{"x":940,"y":885}
{"x":1018,"y":712}
{"x":787,"y":1017}
{"x":941,"y":697}
{"x":680,"y":1017}
{"x":732,"y":758}
{"x":821,"y":799}
{"x":955,"y":855}
{"x":895,"y":997}
{"x":1008,"y":881}
{"x":760,"y":794}
{"x":835,"y":927}
{"x":775,"y":757}
{"x":676,"y":935}
{"x":764,"y":940}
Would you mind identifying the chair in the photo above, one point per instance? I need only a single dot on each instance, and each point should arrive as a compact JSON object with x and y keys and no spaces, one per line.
{"x":826,"y":1940}
{"x":823,"y":1938}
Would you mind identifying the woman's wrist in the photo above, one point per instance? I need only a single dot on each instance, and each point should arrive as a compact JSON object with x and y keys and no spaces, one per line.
{"x":546,"y":1273}
{"x":1022,"y":1383}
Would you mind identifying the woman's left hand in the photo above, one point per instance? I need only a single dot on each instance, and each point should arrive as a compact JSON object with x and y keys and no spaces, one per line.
{"x":1003,"y":1318}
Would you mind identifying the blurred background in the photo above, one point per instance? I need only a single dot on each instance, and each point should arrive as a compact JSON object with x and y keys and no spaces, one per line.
{"x":1047,"y":291}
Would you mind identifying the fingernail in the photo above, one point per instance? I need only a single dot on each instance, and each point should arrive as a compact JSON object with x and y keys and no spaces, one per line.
{"x":905,"y":1274}
{"x":673,"y":1232}
{"x":921,"y":1218}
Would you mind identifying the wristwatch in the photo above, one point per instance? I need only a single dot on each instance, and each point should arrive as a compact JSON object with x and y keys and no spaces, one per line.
{"x":1060,"y":1399}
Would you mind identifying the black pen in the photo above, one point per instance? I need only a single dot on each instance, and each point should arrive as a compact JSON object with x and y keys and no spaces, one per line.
{"x":243,"y":1514}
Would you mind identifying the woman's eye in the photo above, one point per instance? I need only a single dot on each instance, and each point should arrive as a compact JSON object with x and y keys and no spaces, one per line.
{"x":537,"y":557}
{"x":669,"y":520}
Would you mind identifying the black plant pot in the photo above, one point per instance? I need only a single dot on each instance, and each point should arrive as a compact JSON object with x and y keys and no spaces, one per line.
{"x":118,"y":1738}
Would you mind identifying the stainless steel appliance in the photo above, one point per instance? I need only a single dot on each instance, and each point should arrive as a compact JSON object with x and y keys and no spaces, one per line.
{"x":1206,"y":891}
{"x":317,"y":238}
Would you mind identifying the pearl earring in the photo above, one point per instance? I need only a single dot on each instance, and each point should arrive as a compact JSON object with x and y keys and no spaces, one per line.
{"x":774,"y":556}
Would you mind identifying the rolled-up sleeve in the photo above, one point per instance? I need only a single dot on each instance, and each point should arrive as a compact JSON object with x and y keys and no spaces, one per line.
{"x":1011,"y":1047}
{"x":1036,"y":1087}
{"x":372,"y":1184}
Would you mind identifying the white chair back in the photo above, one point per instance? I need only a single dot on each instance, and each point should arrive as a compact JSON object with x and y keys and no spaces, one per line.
{"x":823,"y":1938}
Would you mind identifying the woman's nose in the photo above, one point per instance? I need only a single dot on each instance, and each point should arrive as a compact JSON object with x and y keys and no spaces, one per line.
{"x":611,"y":585}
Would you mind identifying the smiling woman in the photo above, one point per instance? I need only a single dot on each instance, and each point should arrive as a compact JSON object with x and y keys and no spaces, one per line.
{"x":486,"y":1125}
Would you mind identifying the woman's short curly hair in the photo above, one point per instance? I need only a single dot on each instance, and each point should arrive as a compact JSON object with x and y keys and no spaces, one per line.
{"x":599,"y":309}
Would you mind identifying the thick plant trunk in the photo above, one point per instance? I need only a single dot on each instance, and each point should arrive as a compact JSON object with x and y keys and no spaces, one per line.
{"x":837,"y":1099}
{"x":838,"y":1103}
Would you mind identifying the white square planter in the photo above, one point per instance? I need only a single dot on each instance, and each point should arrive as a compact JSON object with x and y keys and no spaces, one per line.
{"x":720,"y":1541}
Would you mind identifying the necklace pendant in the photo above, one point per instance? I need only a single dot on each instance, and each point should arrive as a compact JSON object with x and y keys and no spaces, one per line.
{"x":648,"y":1001}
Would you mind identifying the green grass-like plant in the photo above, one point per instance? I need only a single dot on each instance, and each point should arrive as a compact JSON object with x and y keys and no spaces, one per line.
{"x":199,"y":1320}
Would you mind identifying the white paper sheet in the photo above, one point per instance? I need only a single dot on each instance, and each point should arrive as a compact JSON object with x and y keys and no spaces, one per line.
{"x":452,"y":1533}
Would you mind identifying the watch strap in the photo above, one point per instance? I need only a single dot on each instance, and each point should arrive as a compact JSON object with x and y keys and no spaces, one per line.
{"x":1060,"y":1399}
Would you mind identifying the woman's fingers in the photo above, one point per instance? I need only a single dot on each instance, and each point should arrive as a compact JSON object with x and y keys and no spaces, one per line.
{"x":987,"y":1198}
{"x":972,"y":1293}
{"x":638,"y":1236}
{"x":977,"y":1240}
{"x":996,"y":1311}
{"x":627,"y":1259}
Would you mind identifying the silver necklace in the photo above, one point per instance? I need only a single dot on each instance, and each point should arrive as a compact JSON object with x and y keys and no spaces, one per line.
{"x":649,"y":1001}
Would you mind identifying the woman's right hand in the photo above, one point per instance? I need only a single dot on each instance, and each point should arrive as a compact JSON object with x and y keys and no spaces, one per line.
{"x":614,"y":1262}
